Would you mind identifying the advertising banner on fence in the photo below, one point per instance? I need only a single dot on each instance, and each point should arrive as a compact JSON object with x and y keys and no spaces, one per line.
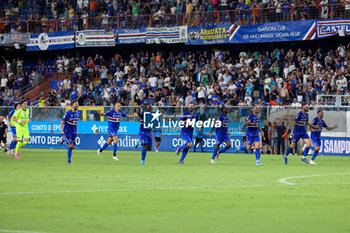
{"x":126,"y":142}
{"x":94,"y":38}
{"x":51,"y":41}
{"x":275,"y":32}
{"x":330,"y":146}
{"x":14,"y":38}
{"x":211,"y":34}
{"x":167,"y":35}
{"x":131,"y":36}
{"x":326,"y":28}
{"x":335,"y":146}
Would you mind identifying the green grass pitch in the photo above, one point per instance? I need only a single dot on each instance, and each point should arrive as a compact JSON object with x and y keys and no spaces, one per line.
{"x":41,"y":193}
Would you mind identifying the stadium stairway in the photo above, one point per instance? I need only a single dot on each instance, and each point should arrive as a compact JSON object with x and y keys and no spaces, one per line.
{"x":36,"y":92}
{"x":44,"y":88}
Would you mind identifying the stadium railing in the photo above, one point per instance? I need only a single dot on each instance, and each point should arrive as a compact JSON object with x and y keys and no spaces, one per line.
{"x":254,"y":15}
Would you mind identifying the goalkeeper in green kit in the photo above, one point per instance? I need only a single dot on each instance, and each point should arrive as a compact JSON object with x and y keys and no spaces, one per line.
{"x":21,"y":117}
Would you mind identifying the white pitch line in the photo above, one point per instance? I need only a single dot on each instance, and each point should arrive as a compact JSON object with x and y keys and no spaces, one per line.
{"x":284,"y":180}
{"x":168,"y":188}
{"x":13,"y":231}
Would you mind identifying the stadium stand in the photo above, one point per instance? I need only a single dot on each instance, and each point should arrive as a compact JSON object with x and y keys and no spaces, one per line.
{"x":275,"y":77}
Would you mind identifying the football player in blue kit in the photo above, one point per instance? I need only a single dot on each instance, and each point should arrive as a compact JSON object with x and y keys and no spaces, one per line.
{"x":187,"y":131}
{"x":253,"y":137}
{"x":316,"y":134}
{"x":114,"y":118}
{"x":69,"y":128}
{"x":145,"y":135}
{"x":299,"y":132}
{"x":222,"y":134}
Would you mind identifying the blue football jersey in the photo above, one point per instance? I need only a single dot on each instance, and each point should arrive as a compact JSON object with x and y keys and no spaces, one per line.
{"x":321,"y":124}
{"x":11,"y":114}
{"x":300,"y":121}
{"x":253,"y":126}
{"x":224,"y":124}
{"x":71,"y":121}
{"x":114,"y":119}
{"x":187,"y":116}
{"x":143,"y":130}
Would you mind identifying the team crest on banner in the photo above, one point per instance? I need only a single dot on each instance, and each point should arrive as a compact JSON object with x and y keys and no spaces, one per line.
{"x":81,"y":39}
{"x":193,"y":35}
{"x":43,"y":41}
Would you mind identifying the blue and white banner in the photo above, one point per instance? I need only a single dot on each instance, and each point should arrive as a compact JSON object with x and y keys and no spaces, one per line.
{"x":167,"y":35}
{"x":126,"y":142}
{"x":326,"y":28}
{"x":218,"y":34}
{"x":40,"y":127}
{"x":335,"y":146}
{"x":51,"y":40}
{"x":274,"y":32}
{"x":94,"y":38}
{"x":131,"y":36}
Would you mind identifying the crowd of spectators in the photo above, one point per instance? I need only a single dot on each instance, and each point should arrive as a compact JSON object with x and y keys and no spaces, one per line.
{"x":208,"y":78}
{"x":79,"y":14}
{"x":16,"y":81}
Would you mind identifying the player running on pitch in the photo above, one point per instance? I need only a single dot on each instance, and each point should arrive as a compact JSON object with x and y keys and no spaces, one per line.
{"x":299,"y":131}
{"x":157,"y":135}
{"x":69,"y":127}
{"x":21,"y":117}
{"x":316,"y":134}
{"x":12,"y":124}
{"x":222,"y":134}
{"x":114,"y":117}
{"x":145,"y":135}
{"x":253,"y":137}
{"x":187,"y":131}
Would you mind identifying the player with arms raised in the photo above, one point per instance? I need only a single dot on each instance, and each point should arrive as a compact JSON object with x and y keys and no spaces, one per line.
{"x":187,"y":131}
{"x":253,"y":137}
{"x":299,"y":131}
{"x":145,"y":135}
{"x":69,"y":127}
{"x":222,"y":134}
{"x":316,"y":133}
{"x":114,"y":117}
{"x":12,"y":124}
{"x":21,"y":117}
